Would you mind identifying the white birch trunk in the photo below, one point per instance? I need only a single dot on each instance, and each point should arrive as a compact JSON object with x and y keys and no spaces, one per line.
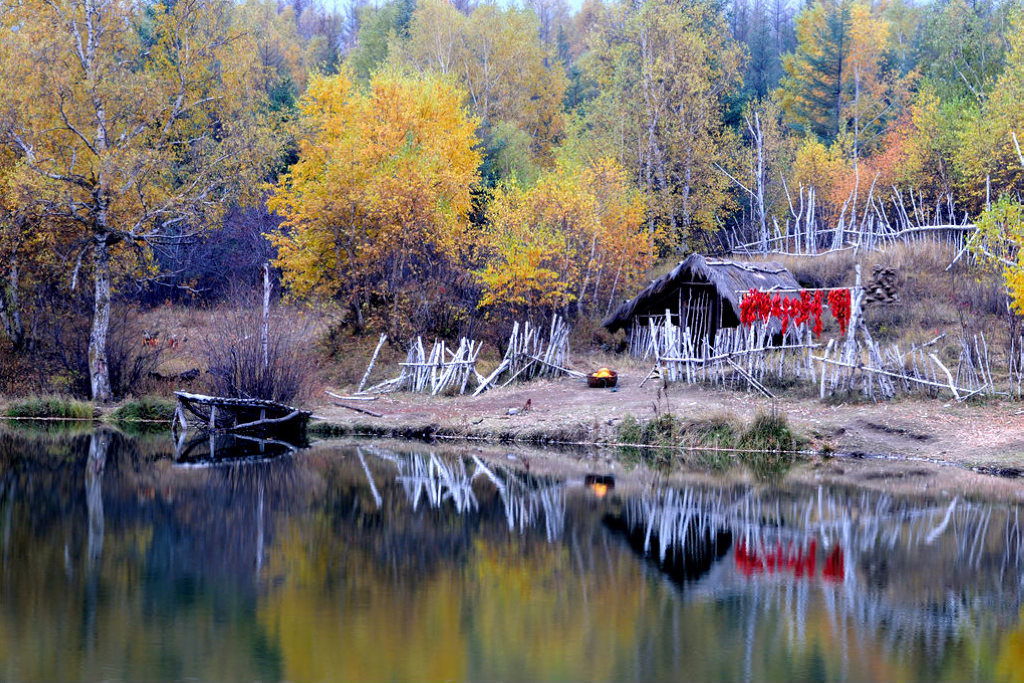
{"x":99,"y":372}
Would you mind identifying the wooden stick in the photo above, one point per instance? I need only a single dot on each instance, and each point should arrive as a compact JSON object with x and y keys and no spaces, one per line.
{"x":521,"y":370}
{"x":574,"y":373}
{"x":867,"y":368}
{"x":949,"y":376}
{"x":358,"y":410}
{"x":654,"y":371}
{"x":490,"y":378}
{"x":373,"y":359}
{"x":753,"y":382}
{"x":262,"y":421}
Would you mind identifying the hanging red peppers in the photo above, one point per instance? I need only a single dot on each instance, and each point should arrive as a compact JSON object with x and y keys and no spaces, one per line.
{"x":839,"y":304}
{"x":794,"y":310}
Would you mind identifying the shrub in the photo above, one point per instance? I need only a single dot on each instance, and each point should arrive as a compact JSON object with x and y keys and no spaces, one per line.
{"x":235,"y":355}
{"x":768,"y":443}
{"x":144,"y":409}
{"x":768,"y":446}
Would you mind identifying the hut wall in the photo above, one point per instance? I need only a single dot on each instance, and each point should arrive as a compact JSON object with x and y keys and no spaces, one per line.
{"x":697,"y":308}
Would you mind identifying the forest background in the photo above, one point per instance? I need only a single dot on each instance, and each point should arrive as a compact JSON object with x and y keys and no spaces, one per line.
{"x":441,"y":168}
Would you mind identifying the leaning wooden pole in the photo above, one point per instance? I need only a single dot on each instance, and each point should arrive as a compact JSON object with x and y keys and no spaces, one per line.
{"x":266,"y":317}
{"x":373,"y":359}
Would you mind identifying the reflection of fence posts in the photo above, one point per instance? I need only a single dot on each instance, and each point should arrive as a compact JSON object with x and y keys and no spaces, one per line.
{"x":525,"y":499}
{"x":850,"y":528}
{"x":858,"y":523}
{"x":438,"y":480}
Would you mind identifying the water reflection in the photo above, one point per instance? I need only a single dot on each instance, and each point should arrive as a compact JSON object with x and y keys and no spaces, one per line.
{"x":527,"y":500}
{"x":206,"y":447}
{"x":916,"y":574}
{"x":371,"y":563}
{"x":99,"y":443}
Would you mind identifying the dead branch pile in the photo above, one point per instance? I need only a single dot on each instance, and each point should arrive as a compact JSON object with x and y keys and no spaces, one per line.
{"x":531,"y":354}
{"x":441,"y":370}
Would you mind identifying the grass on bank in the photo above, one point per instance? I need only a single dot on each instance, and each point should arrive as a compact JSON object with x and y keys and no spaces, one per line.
{"x":50,"y":407}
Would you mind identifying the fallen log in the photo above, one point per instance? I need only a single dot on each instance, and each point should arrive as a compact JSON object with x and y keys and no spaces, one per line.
{"x":351,"y":398}
{"x":868,"y":368}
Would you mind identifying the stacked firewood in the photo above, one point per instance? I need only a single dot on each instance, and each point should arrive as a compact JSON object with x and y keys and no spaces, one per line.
{"x":882,"y":288}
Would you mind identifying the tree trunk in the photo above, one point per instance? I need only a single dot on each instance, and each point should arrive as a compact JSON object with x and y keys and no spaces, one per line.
{"x":99,"y":371}
{"x":10,"y":314}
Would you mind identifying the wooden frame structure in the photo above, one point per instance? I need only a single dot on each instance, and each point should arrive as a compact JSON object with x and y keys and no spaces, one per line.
{"x":217,"y":414}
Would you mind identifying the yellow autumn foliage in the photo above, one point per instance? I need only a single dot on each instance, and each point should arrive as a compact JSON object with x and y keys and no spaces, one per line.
{"x":998,"y":242}
{"x":376,"y":206}
{"x":576,"y":237}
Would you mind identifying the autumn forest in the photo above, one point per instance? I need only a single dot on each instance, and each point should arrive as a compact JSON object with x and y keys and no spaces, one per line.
{"x":434,"y":166}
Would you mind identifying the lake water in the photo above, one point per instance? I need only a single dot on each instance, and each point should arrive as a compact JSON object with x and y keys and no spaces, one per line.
{"x":413,"y":563}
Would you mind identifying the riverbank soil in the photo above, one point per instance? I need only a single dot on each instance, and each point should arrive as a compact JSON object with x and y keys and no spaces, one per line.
{"x":989,"y":434}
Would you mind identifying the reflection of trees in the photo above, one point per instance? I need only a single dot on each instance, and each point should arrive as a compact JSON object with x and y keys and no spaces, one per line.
{"x":111,"y":551}
{"x":99,"y":444}
{"x":474,"y":569}
{"x":910,"y":571}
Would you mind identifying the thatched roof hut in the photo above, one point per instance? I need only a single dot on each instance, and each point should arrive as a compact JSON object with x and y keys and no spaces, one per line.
{"x":701,"y":289}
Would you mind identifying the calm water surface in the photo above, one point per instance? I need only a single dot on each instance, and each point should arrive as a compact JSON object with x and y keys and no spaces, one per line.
{"x":377,"y":564}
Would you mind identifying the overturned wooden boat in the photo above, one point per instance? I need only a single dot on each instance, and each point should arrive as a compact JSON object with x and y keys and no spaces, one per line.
{"x":252,"y":415}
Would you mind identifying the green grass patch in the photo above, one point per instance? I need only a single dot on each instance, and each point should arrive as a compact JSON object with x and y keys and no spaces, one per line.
{"x":144,"y":409}
{"x":769,"y":446}
{"x":767,"y":443}
{"x":669,"y":435}
{"x":50,"y":406}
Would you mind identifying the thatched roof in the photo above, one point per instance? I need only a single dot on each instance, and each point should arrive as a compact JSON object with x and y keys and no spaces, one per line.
{"x":730,"y":279}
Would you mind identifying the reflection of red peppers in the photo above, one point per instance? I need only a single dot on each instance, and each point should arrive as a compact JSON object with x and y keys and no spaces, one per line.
{"x":834,"y":566}
{"x":798,"y":561}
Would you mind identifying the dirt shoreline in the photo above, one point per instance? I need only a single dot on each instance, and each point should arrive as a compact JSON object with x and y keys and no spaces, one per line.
{"x":986,"y":435}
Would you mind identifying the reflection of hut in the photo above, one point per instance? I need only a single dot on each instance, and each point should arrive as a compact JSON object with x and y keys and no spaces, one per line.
{"x":703,"y":292}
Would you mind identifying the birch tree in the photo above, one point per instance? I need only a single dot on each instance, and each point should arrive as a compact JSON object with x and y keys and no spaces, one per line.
{"x":133,"y":125}
{"x":663,"y":70}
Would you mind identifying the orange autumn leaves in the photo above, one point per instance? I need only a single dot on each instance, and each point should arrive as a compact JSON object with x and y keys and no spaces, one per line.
{"x":376,"y":209}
